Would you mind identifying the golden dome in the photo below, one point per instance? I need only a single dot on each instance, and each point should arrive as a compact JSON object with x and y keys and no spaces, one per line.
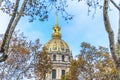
{"x":56,"y":44}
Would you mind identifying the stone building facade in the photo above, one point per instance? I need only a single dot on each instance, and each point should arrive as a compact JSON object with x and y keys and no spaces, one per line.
{"x":59,"y":53}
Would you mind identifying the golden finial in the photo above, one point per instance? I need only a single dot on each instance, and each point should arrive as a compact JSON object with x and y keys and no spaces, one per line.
{"x":56,"y":29}
{"x":56,"y":19}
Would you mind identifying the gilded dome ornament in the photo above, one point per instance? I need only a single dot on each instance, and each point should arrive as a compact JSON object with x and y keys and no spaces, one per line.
{"x":56,"y":44}
{"x":56,"y":30}
{"x":59,"y":53}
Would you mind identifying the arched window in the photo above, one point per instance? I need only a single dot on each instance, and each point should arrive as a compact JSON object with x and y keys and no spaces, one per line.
{"x":69,"y":58}
{"x":63,"y":58}
{"x":53,"y":74}
{"x":54,"y":57}
{"x":67,"y":50}
{"x":63,"y":72}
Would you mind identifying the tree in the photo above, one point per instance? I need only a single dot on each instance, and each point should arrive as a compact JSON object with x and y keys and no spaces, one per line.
{"x":73,"y":72}
{"x":43,"y":65}
{"x":92,"y":63}
{"x":116,"y":55}
{"x":20,"y":63}
{"x":32,"y":8}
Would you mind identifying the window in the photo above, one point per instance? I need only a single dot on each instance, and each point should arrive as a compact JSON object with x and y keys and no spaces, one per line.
{"x":69,"y":58}
{"x":54,"y":57}
{"x":63,"y":58}
{"x":67,"y":50}
{"x":63,"y":72}
{"x":53,"y":74}
{"x":62,"y":49}
{"x":54,"y":47}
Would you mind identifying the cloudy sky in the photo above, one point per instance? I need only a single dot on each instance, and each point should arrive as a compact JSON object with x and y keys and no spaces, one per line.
{"x":82,"y":28}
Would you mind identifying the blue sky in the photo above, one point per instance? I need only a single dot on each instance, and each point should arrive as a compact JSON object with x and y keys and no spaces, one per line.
{"x":82,"y":28}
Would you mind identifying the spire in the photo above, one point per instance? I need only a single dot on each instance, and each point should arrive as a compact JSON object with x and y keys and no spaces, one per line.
{"x":56,"y":29}
{"x":56,"y":19}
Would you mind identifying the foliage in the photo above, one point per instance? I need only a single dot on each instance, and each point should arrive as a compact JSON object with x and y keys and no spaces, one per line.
{"x":35,"y":9}
{"x":92,"y":63}
{"x":93,"y":5}
{"x":43,"y":65}
{"x":104,"y":5}
{"x":40,"y":9}
{"x":20,"y":63}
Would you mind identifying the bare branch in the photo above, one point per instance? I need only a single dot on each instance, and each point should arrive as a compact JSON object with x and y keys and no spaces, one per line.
{"x":115,"y":5}
{"x":5,"y":43}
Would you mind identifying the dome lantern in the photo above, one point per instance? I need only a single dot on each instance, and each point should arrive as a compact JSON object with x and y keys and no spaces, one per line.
{"x":56,"y":44}
{"x":56,"y":30}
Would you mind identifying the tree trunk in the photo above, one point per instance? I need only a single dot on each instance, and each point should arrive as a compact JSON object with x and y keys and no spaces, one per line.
{"x":4,"y":47}
{"x":111,"y":38}
{"x":118,"y":46}
{"x":119,"y":36}
{"x":10,"y":29}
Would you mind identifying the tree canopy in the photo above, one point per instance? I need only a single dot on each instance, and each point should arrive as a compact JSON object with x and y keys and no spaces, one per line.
{"x":21,"y":61}
{"x":40,"y":9}
{"x":34,"y":9}
{"x":92,"y":63}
